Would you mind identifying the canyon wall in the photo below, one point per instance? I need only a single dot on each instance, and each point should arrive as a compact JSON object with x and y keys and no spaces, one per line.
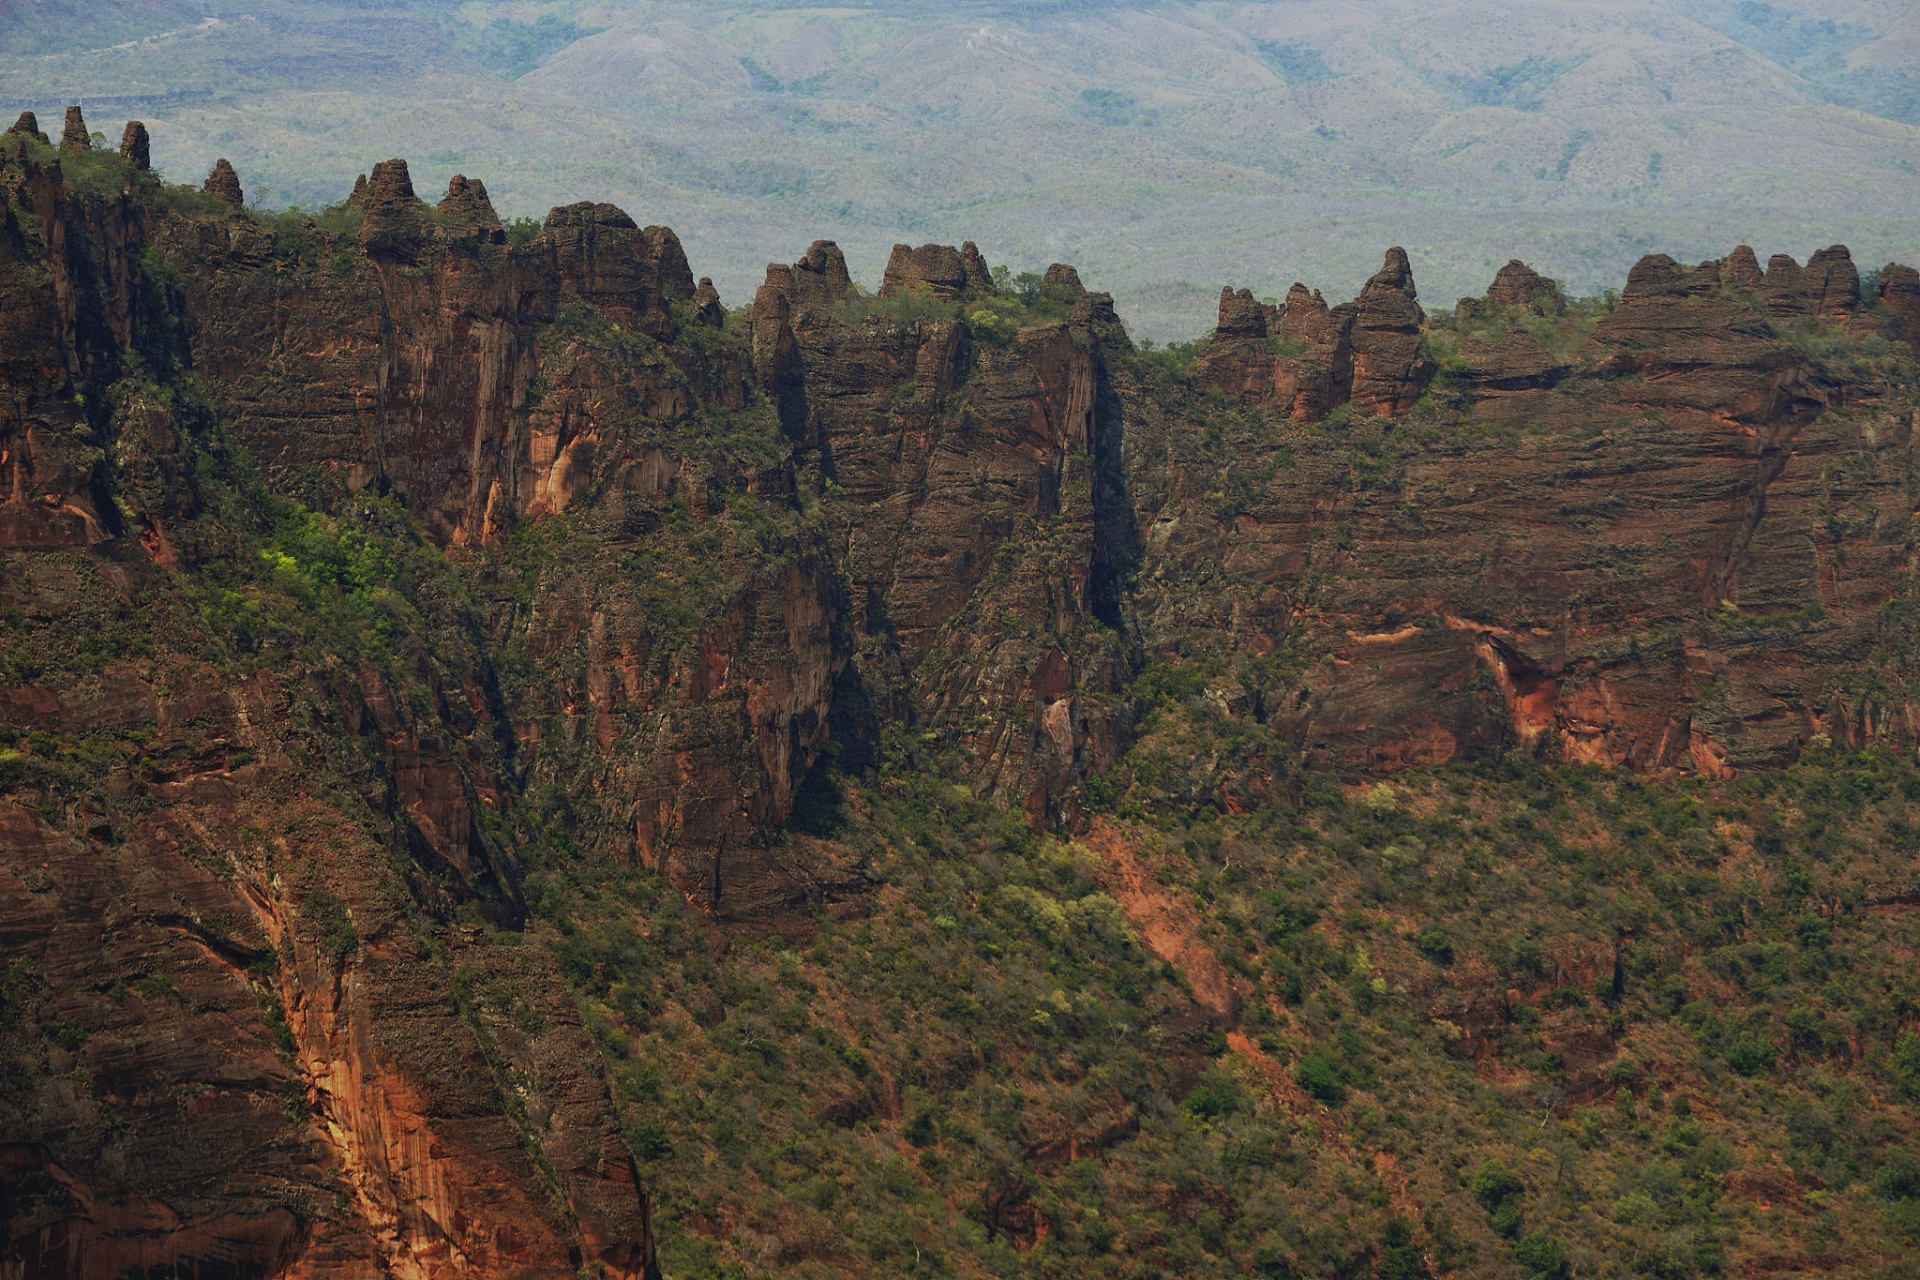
{"x":354,"y":564}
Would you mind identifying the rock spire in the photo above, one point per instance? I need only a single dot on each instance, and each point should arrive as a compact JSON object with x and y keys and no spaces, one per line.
{"x":225,"y":183}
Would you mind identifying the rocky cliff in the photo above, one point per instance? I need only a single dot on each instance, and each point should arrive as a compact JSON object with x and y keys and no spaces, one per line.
{"x":380,"y":581}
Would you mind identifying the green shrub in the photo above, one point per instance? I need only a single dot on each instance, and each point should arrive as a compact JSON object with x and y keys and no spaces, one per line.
{"x":1273,"y":1263}
{"x":647,"y":1139}
{"x":1214,"y":1097}
{"x":1899,"y":1177}
{"x":905,"y":307}
{"x":1321,"y":1077}
{"x":1177,"y":358}
{"x":1436,"y":946}
{"x":1494,"y":1184}
{"x":1750,"y":1053}
{"x":1541,"y":1254}
{"x":1906,"y":1066}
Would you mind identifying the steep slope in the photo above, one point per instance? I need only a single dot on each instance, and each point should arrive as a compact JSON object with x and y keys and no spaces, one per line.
{"x":511,"y":768}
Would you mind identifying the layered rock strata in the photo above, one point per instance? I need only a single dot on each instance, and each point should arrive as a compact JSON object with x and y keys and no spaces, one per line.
{"x":654,"y":569}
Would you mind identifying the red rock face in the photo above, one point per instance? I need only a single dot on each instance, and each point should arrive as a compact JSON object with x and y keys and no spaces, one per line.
{"x":1368,"y":352}
{"x":1518,"y":285}
{"x":1660,"y":483}
{"x":1900,"y":295}
{"x":664,"y":567}
{"x":952,"y":454}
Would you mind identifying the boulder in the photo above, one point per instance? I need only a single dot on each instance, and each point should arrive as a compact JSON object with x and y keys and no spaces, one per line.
{"x":225,"y":183}
{"x":1741,"y":270}
{"x":812,"y":286}
{"x":1832,"y":283}
{"x":1655,"y":276}
{"x":135,"y":147}
{"x":75,"y":136}
{"x":1063,"y":277}
{"x":1900,"y":295}
{"x":398,"y":185}
{"x":394,"y":228}
{"x":1306,"y":316}
{"x":1243,"y":317}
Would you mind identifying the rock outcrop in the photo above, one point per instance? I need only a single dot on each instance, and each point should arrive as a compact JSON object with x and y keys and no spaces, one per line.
{"x":628,"y":272}
{"x":75,"y":137}
{"x":135,"y":147}
{"x":1740,"y":270}
{"x":1308,"y":359}
{"x":706,"y":304}
{"x":1063,"y":277}
{"x":1826,"y":289}
{"x":223,"y":183}
{"x":459,"y":556}
{"x":1519,"y":285}
{"x":467,"y":209}
{"x":29,"y":125}
{"x":1900,"y":295}
{"x":1391,"y":365}
{"x":934,"y":269}
{"x":979,"y":274}
{"x":938,"y":271}
{"x":248,"y":956}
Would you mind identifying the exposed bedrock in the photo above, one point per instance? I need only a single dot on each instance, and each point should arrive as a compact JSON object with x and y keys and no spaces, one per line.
{"x":670,"y":564}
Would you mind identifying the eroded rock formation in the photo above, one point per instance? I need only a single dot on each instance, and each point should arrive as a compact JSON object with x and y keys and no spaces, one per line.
{"x":74,"y":137}
{"x":453,"y":547}
{"x":29,"y":125}
{"x":135,"y":147}
{"x":224,"y":183}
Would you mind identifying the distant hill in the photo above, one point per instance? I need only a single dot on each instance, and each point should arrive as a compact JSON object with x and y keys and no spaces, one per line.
{"x":1163,"y":149}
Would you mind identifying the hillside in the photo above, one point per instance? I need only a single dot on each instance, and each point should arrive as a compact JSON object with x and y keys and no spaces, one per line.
{"x":510,"y":767}
{"x":1159,"y":147}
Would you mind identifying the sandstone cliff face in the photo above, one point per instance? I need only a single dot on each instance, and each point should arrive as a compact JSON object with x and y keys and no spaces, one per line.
{"x":495,"y":385}
{"x":232,"y":926}
{"x":408,"y":555}
{"x":980,"y":517}
{"x":1655,"y":557}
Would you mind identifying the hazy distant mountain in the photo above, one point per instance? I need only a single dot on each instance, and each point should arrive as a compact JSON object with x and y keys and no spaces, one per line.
{"x":1164,"y":149}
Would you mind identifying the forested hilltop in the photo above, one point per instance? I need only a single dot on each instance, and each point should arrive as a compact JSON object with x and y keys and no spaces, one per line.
{"x":515,"y":764}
